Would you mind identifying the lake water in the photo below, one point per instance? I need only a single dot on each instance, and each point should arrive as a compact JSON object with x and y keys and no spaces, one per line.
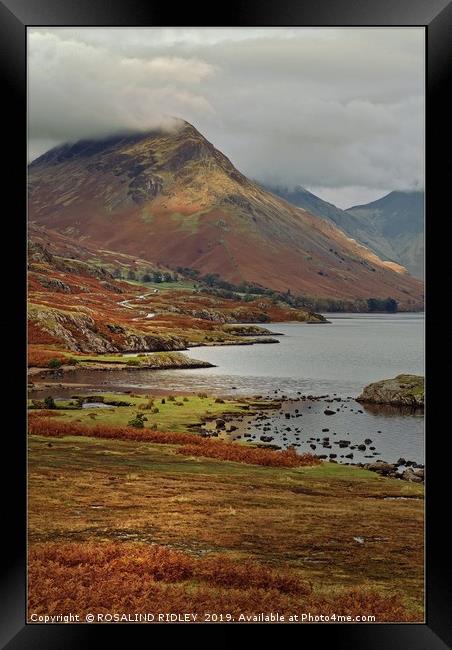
{"x":336,"y":359}
{"x":341,"y":357}
{"x":386,"y":433}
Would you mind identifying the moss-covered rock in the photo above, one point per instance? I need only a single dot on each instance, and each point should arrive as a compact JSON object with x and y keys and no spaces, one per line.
{"x":403,"y":390}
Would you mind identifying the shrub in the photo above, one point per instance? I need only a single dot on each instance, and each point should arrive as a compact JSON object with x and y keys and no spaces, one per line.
{"x":49,"y":403}
{"x":138,"y":421}
{"x":132,"y":362}
{"x":55,"y":363}
{"x":171,"y":398}
{"x":202,"y":395}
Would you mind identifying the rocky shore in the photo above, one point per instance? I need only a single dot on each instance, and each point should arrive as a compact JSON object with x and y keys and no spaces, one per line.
{"x":412,"y":472}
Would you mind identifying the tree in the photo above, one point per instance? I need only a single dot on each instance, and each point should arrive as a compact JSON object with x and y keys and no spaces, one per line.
{"x":146,"y":278}
{"x":391,"y":305}
{"x":131,"y":275}
{"x":372,"y":304}
{"x":49,"y":402}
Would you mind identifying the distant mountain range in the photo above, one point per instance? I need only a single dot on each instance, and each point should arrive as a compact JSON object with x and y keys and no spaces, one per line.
{"x":173,"y":198}
{"x":392,"y":226}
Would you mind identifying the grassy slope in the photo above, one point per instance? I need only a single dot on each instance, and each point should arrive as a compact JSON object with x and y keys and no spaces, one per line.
{"x":303,"y":520}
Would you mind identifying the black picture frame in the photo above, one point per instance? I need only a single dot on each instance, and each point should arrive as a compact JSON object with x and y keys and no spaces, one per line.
{"x":15,"y":17}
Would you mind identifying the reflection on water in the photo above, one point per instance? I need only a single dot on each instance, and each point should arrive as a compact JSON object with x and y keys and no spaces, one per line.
{"x":388,"y":410}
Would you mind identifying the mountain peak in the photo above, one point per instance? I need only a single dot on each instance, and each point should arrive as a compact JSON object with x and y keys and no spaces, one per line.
{"x":171,"y":196}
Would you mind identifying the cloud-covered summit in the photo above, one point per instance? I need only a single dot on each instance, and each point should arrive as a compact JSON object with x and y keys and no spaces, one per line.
{"x":339,"y":111}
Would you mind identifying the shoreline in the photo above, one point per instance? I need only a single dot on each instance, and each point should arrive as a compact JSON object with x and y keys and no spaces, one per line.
{"x":258,"y":415}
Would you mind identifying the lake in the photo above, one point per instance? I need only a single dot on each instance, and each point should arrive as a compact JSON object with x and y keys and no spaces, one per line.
{"x":336,"y":359}
{"x":341,"y":357}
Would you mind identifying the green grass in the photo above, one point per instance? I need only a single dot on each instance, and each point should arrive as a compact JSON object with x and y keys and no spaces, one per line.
{"x":169,"y":418}
{"x":154,"y":358}
{"x":179,"y":285}
{"x":187,"y":222}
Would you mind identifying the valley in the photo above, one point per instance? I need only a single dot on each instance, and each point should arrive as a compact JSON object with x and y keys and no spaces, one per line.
{"x":158,"y":479}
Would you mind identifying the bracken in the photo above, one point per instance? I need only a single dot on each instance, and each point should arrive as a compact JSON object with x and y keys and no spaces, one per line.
{"x":193,"y":445}
{"x":108,"y":577}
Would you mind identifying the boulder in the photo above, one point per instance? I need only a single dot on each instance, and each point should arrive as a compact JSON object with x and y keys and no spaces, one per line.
{"x":413,"y":475}
{"x":382,"y":468}
{"x":403,"y":390}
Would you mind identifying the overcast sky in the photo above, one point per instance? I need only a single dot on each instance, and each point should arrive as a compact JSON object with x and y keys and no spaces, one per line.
{"x":339,"y":111}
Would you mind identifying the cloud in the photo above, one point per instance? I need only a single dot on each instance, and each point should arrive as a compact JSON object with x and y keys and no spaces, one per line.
{"x":324,"y":108}
{"x":80,"y":90}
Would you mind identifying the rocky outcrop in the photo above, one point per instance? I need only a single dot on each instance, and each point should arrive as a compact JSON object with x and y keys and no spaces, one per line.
{"x":81,"y":332}
{"x":403,"y":390}
{"x":53,"y":284}
{"x":247,"y":330}
{"x":137,"y":342}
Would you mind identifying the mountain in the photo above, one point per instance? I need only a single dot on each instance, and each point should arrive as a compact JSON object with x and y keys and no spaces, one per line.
{"x":172,"y":198}
{"x":398,"y":217}
{"x":392,"y":227}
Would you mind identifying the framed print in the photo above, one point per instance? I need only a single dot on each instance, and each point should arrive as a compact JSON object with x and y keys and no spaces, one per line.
{"x":222,"y":233}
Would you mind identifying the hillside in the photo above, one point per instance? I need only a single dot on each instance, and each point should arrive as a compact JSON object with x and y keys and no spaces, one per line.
{"x":398,"y":217}
{"x":173,"y":199}
{"x":392,"y":227}
{"x":76,"y":305}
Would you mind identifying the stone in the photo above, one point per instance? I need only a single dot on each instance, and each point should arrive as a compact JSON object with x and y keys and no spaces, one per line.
{"x":412,"y":476}
{"x":403,"y":390}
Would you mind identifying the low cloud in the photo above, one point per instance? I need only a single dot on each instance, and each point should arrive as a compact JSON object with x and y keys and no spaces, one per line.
{"x":332,"y":109}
